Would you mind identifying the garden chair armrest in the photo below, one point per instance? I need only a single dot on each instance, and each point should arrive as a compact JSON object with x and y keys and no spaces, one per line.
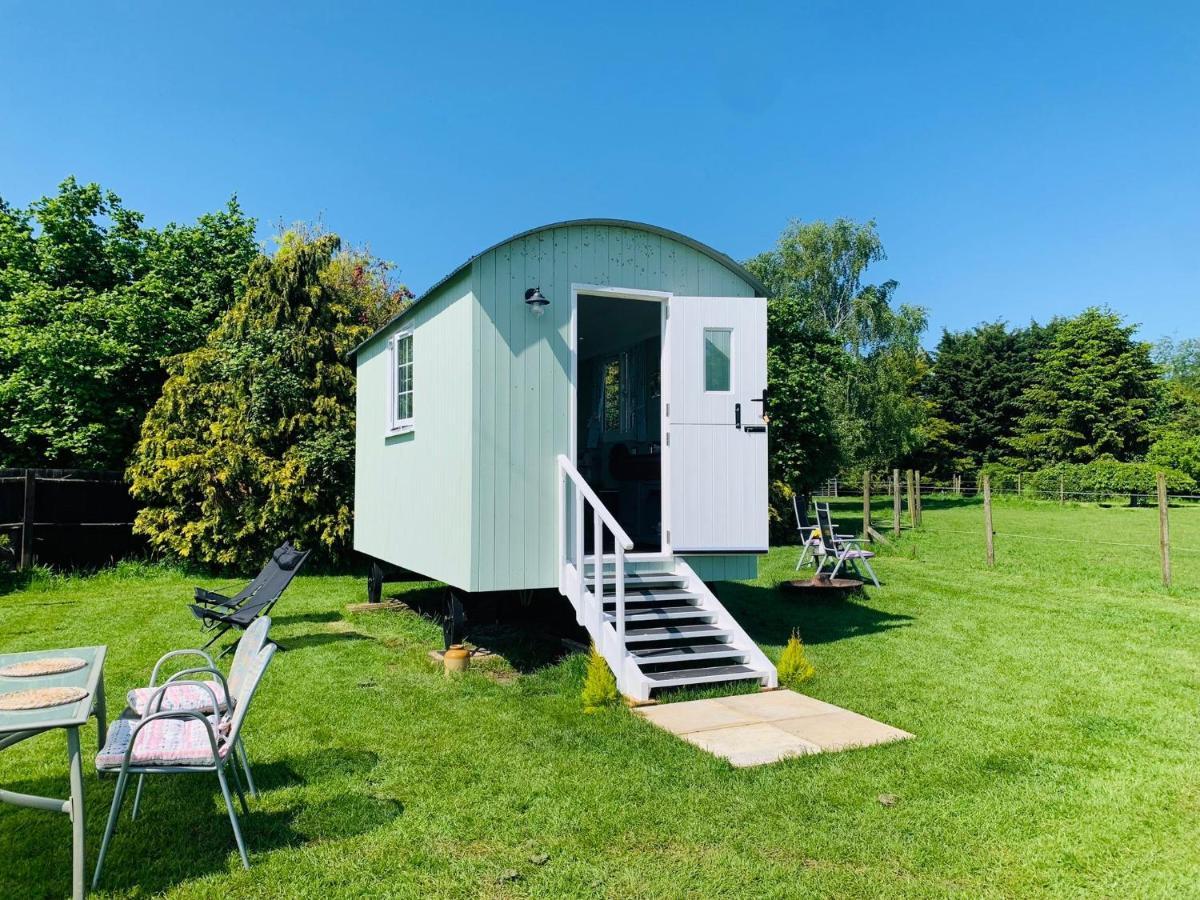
{"x":162,"y":659}
{"x":156,"y":698}
{"x":209,"y":598}
{"x":211,"y":670}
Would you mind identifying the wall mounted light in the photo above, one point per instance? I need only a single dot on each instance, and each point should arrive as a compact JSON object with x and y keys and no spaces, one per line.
{"x":535,"y":301}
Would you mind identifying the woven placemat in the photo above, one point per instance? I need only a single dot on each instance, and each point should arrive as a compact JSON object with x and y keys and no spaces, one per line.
{"x":51,"y":665}
{"x":39,"y":698}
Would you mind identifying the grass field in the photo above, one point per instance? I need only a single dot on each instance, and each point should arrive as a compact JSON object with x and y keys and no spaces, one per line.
{"x":1055,"y":699}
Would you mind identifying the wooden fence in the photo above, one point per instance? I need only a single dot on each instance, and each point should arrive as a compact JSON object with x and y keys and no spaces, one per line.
{"x":66,"y":517}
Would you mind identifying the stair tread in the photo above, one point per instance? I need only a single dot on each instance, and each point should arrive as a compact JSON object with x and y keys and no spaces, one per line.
{"x":674,"y":631}
{"x":654,"y":600}
{"x":710,"y":673}
{"x":661,"y":614}
{"x":653,"y":595}
{"x":685,"y":653}
{"x":631,"y":585}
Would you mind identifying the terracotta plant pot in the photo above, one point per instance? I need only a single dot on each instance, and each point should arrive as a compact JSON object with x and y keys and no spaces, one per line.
{"x":457,"y":658}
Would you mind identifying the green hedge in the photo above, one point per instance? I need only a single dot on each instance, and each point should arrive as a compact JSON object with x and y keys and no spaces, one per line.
{"x":1106,"y":477}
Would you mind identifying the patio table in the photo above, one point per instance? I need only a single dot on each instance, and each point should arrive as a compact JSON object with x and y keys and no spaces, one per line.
{"x":17,"y":725}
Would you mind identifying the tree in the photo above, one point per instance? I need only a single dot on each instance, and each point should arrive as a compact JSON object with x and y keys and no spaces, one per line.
{"x":842,"y":358}
{"x":974,"y":387}
{"x":252,"y":439}
{"x":1092,"y":394}
{"x":1177,"y":426}
{"x":91,"y":301}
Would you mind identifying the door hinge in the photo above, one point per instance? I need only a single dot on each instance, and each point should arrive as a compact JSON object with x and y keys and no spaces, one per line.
{"x":668,"y":535}
{"x":667,"y":310}
{"x":668,"y":409}
{"x":668,"y":436}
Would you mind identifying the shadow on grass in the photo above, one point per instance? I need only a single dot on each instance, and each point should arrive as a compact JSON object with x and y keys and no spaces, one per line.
{"x":183,"y":832}
{"x":12,"y":580}
{"x":524,"y":628}
{"x":769,"y":615}
{"x":328,"y":616}
{"x":320,"y":639}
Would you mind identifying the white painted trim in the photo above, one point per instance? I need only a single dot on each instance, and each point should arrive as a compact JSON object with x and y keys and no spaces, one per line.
{"x":618,"y":293}
{"x":396,"y":426}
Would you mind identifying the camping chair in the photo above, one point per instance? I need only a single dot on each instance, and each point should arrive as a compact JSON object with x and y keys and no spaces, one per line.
{"x":810,"y":541}
{"x":809,"y":534}
{"x":260,"y":604}
{"x":843,"y":549}
{"x":179,"y":742}
{"x":272,"y":573}
{"x":193,"y":699}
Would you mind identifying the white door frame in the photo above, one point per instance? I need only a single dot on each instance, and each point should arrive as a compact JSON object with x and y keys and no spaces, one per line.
{"x":663,"y":298}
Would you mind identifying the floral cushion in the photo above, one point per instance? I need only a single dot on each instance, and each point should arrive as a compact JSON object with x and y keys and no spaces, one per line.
{"x":181,"y":697}
{"x":162,"y":742}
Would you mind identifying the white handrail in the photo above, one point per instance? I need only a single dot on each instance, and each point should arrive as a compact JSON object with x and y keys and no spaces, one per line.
{"x":601,"y":519}
{"x":618,"y":532}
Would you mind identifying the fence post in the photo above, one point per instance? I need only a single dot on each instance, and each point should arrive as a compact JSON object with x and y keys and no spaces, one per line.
{"x":1164,"y":531}
{"x":917,"y":476}
{"x":1061,"y":494}
{"x":27,"y":520}
{"x":912,"y":510}
{"x":1018,"y":484}
{"x":987,"y":520}
{"x":896,"y":501}
{"x":835,"y":486}
{"x":867,"y":505}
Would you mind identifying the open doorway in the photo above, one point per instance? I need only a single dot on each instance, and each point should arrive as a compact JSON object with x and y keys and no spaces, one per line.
{"x":619,"y":416}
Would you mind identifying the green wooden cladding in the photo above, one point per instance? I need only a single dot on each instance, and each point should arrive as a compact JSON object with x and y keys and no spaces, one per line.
{"x":469,"y":496}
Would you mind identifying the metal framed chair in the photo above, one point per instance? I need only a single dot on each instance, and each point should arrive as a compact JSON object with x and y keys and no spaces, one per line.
{"x":810,"y":543}
{"x":223,"y":618}
{"x":177,"y":742}
{"x":843,"y":550}
{"x":226,"y":689}
{"x":274,"y":576}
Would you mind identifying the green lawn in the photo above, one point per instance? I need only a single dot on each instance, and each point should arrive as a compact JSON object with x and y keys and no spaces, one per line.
{"x":1055,"y":699}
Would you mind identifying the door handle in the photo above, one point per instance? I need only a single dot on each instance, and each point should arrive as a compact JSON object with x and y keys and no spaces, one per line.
{"x":737,"y":415}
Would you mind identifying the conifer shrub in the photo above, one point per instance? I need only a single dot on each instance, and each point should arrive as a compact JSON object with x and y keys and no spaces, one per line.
{"x":794,"y":666}
{"x":252,"y":439}
{"x":599,"y":687}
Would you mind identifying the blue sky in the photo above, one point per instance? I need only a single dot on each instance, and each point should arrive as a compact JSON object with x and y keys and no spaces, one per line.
{"x":1021,"y":160}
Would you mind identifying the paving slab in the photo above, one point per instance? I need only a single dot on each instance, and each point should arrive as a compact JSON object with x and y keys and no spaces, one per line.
{"x":842,"y":730}
{"x":751,"y":745}
{"x":755,"y":729}
{"x":767,"y":706}
{"x":695,"y":715}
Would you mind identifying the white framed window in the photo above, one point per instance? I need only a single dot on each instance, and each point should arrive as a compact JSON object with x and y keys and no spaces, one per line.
{"x":400,"y":395}
{"x":718,"y":360}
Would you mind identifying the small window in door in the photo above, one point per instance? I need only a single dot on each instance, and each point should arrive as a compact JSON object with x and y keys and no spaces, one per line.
{"x":718,"y":354}
{"x":613,"y":375}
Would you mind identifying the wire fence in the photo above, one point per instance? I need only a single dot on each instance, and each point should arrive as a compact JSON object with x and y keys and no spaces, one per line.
{"x":1008,"y":486}
{"x":904,"y":493}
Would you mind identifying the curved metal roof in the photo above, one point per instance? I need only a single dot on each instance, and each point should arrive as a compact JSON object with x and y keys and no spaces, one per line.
{"x":727,"y":261}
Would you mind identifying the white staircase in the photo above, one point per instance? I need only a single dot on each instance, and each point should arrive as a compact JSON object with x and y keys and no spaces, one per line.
{"x":656,"y":622}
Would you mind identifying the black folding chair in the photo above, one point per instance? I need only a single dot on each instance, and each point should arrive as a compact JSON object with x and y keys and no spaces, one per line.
{"x":271,"y":572}
{"x":286,"y":562}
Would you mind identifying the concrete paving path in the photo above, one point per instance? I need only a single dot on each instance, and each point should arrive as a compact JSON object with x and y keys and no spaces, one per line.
{"x":754,"y":729}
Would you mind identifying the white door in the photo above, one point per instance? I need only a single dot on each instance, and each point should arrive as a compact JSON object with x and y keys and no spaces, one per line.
{"x":717,"y":439}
